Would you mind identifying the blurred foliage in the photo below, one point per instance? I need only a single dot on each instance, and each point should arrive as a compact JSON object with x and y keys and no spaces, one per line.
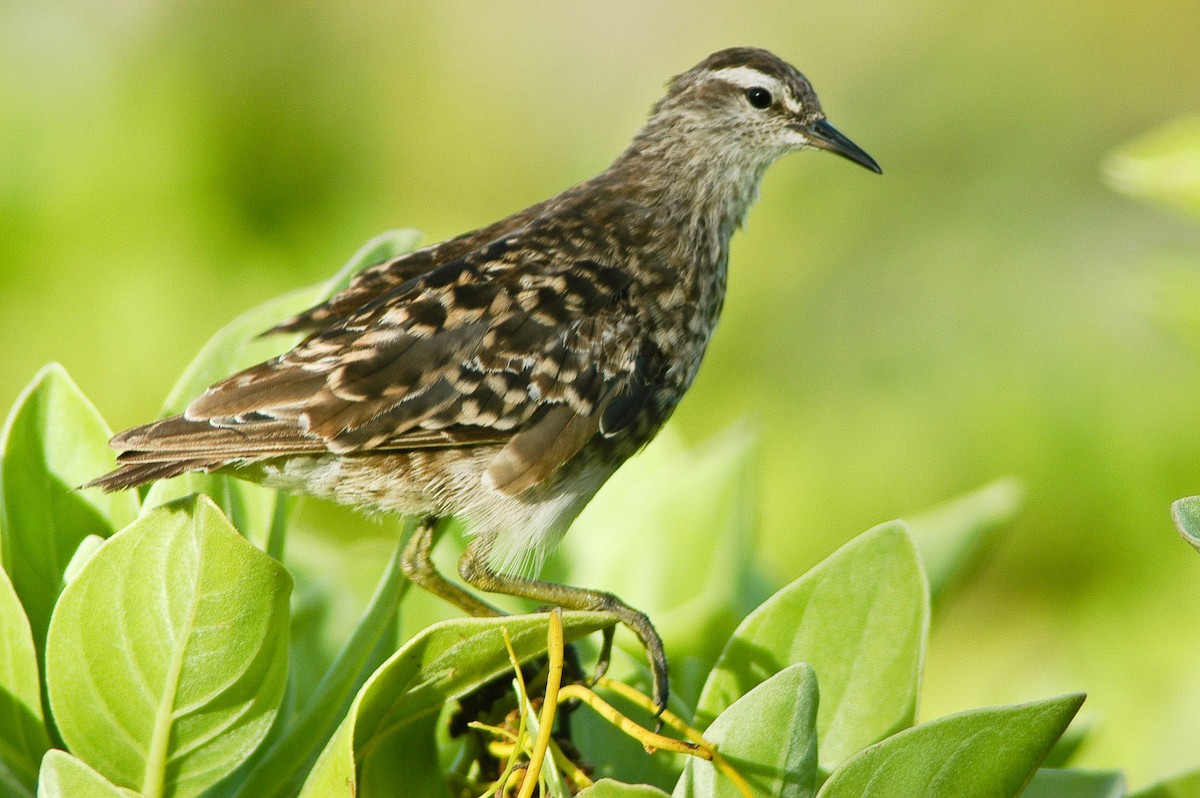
{"x":987,"y":307}
{"x":1181,"y":786}
{"x":1163,"y":166}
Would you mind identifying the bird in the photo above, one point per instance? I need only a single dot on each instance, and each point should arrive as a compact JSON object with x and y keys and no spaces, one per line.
{"x":502,"y":376}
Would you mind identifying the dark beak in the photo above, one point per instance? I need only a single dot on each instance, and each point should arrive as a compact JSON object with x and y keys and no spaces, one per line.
{"x":826,"y":136}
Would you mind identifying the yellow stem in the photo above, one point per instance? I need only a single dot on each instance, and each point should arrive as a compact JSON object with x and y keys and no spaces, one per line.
{"x":649,"y":740}
{"x":554,"y":646}
{"x":496,"y":730}
{"x":645,"y":702}
{"x":672,"y":720}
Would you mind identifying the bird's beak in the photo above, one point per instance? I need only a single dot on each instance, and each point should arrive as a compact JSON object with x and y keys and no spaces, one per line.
{"x":826,"y":136}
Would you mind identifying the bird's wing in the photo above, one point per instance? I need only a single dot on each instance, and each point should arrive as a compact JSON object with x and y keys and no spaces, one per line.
{"x":382,"y":278}
{"x":510,"y":344}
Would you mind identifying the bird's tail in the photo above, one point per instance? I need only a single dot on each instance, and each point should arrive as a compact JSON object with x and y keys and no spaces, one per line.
{"x":130,"y":475}
{"x":164,"y":449}
{"x":171,"y":446}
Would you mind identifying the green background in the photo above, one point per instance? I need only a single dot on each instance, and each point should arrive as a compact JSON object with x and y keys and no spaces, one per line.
{"x":986,"y":307}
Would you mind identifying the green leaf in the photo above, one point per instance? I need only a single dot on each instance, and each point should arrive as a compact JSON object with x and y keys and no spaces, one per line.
{"x":1186,"y":513}
{"x":860,"y":619}
{"x":281,"y":769}
{"x":248,"y":507}
{"x":54,"y":441}
{"x":607,"y":788}
{"x":1056,"y":783}
{"x":1162,"y":165}
{"x":769,"y":736}
{"x":167,"y":655}
{"x":952,"y":538}
{"x":408,"y":760}
{"x":389,"y":726}
{"x":638,"y":539}
{"x":64,"y":776}
{"x":240,"y":344}
{"x":23,"y":737}
{"x":1184,"y":785}
{"x":982,"y":752}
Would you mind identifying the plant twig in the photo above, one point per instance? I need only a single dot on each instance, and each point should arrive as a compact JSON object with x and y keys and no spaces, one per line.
{"x":649,"y":740}
{"x":675,"y":722}
{"x":554,"y":646}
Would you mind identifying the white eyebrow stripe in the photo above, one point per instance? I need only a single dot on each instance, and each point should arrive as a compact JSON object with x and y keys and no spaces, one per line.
{"x":749,"y":77}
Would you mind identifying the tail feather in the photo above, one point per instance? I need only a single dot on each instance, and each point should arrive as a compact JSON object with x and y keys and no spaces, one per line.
{"x":130,"y":475}
{"x":171,"y":446}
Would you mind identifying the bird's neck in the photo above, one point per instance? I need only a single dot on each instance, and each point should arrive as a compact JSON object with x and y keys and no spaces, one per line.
{"x":701,"y":193}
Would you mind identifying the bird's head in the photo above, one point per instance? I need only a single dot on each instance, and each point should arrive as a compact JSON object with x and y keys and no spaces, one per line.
{"x":747,"y":103}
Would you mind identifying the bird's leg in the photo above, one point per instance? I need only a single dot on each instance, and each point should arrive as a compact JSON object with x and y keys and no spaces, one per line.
{"x":417,"y":566}
{"x":475,"y":570}
{"x":416,"y":563}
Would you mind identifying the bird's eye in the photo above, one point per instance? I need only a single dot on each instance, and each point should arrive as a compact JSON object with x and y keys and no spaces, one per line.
{"x":759,"y":97}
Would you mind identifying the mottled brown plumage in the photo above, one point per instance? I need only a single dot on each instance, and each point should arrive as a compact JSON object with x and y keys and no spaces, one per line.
{"x":503,"y":376}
